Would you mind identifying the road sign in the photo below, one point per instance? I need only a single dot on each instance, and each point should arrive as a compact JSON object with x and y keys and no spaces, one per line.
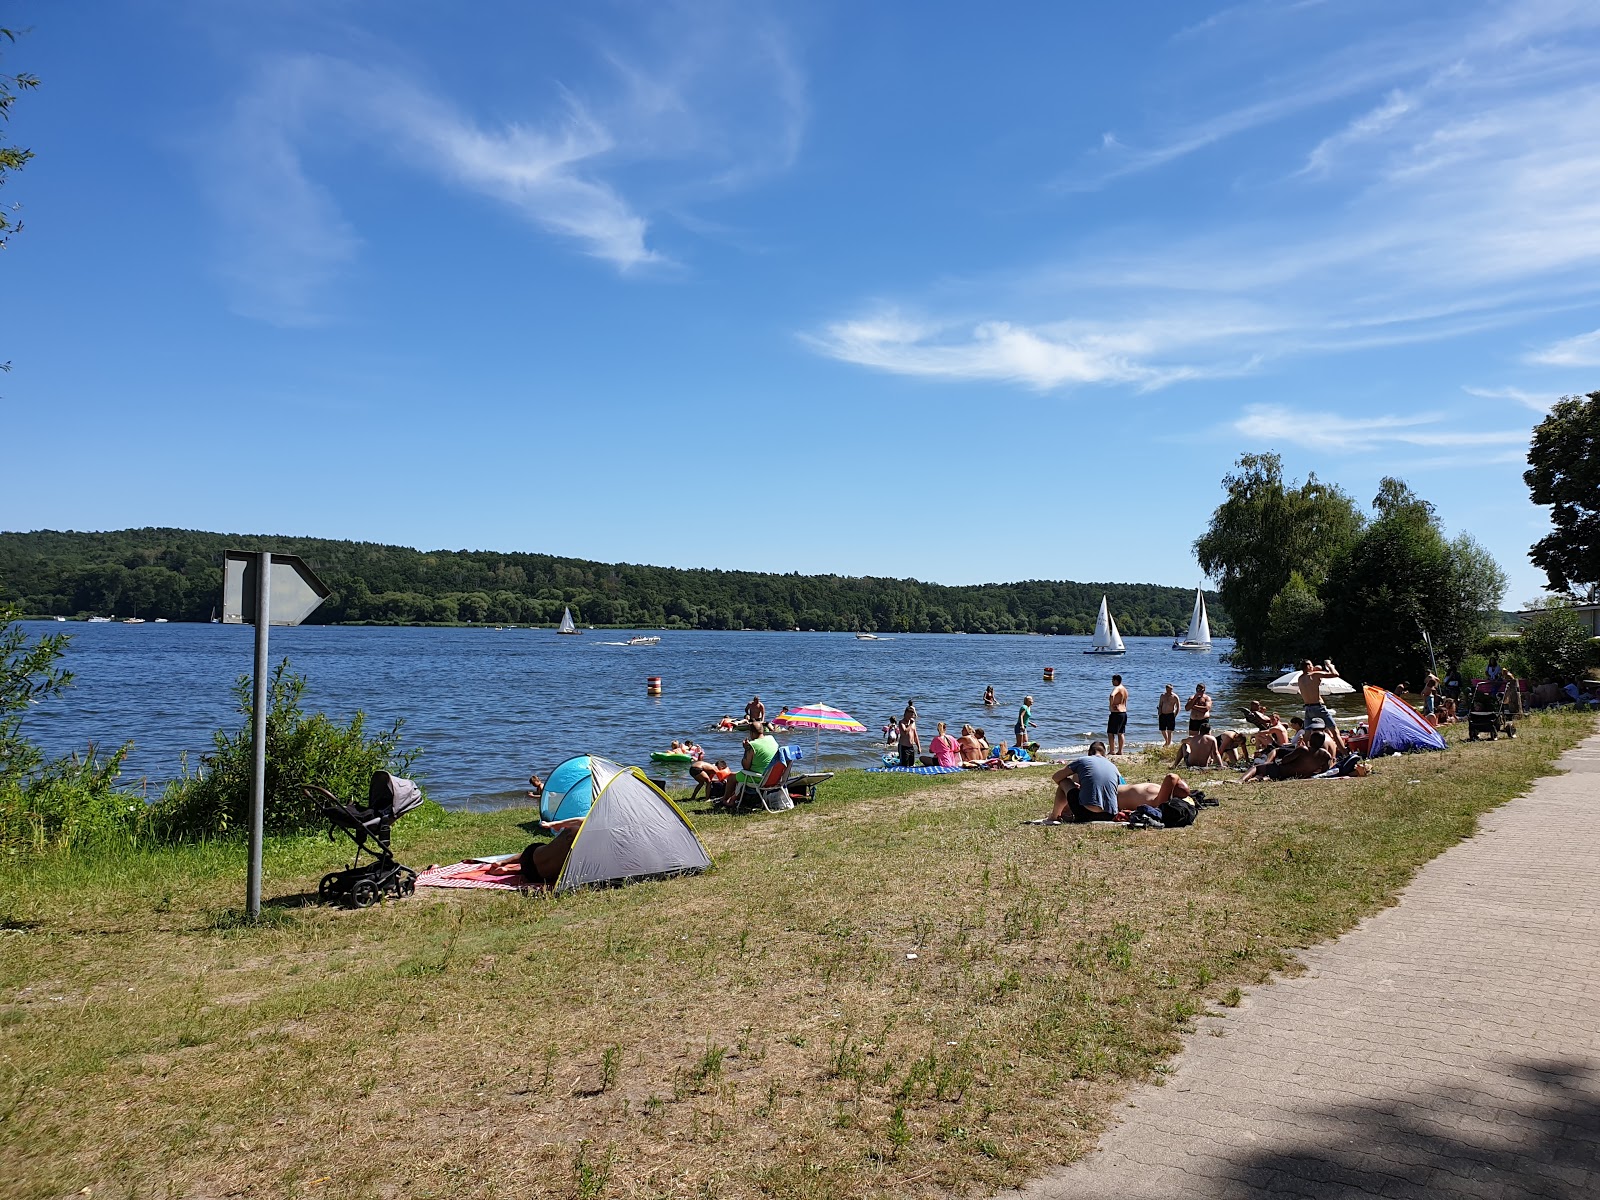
{"x":252,"y":591}
{"x":296,"y":590}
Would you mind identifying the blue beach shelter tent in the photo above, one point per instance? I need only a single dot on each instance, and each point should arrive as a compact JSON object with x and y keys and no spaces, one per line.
{"x":569,"y":792}
{"x":1395,"y":726}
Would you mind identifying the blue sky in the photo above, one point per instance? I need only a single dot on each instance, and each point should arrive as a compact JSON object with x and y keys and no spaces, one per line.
{"x":899,"y":289}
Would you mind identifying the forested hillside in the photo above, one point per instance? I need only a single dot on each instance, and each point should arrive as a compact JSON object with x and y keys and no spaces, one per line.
{"x":177,"y":574}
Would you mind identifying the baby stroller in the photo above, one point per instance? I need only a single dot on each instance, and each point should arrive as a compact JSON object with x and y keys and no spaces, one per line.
{"x":364,"y":884}
{"x":1487,"y":715}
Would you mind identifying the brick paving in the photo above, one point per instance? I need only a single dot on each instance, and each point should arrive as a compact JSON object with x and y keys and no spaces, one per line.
{"x":1446,"y":1047}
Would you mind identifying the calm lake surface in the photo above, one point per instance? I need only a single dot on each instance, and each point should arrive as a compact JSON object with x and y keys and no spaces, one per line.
{"x":488,"y":706}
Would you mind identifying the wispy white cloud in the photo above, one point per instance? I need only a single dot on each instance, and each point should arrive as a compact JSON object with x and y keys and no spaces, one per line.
{"x":1043,"y":357}
{"x":722,"y":100}
{"x":1314,"y":429}
{"x":1580,"y":351}
{"x":1537,"y":403}
{"x":1462,"y":204}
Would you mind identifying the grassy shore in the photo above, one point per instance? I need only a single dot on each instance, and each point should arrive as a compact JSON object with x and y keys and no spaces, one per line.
{"x":897,"y":990}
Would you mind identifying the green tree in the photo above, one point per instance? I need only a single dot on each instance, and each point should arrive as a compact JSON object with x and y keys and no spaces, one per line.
{"x":1264,"y":532}
{"x":1555,"y":646}
{"x":1399,"y":578}
{"x":12,"y":158}
{"x":1295,"y":622}
{"x":1564,"y":473}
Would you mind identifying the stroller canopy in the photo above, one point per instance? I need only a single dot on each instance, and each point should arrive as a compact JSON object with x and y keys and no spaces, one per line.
{"x":1394,"y":725}
{"x":390,"y":792}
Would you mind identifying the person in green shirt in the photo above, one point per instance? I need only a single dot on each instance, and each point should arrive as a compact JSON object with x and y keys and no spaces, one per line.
{"x":759,"y":749}
{"x":1024,"y":721}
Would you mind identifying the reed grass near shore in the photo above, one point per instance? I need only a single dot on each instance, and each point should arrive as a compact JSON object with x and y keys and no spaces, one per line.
{"x":897,"y":990}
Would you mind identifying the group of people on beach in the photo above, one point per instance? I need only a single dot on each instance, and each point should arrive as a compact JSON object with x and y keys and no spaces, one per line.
{"x":1091,"y":788}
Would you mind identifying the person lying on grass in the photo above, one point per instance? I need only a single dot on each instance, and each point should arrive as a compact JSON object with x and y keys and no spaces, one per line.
{"x":1090,"y":789}
{"x":1302,"y":762}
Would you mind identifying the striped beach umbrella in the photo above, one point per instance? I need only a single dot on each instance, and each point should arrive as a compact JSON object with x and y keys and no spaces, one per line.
{"x":817,"y":717}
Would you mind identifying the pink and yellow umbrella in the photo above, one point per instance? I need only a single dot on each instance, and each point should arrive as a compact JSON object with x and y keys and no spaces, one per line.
{"x":817,"y":717}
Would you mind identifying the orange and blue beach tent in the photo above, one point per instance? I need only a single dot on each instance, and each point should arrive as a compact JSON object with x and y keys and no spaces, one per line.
{"x":1395,"y":726}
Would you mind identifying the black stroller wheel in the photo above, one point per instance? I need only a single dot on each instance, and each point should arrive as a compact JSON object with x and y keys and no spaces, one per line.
{"x":328,"y":889}
{"x":365,"y":893}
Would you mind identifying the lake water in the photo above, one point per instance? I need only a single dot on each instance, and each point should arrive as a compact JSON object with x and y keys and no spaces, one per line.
{"x":488,"y":706}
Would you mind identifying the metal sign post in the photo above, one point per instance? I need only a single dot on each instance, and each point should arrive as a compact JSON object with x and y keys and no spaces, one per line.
{"x":252,"y":591}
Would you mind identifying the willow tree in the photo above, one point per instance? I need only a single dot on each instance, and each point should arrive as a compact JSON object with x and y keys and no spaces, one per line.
{"x":1265,"y":533}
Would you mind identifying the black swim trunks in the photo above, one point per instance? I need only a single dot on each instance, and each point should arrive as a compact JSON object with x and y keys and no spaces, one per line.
{"x":1166,"y":722}
{"x":1201,"y":726}
{"x":908,"y":756}
{"x":1116,"y":724}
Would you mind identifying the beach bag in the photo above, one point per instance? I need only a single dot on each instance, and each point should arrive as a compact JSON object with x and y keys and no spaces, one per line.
{"x":543,"y":861}
{"x":1178,"y":812}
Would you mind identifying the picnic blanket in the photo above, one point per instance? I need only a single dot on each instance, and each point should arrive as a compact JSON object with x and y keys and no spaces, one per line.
{"x":913,"y":770}
{"x":476,"y":874}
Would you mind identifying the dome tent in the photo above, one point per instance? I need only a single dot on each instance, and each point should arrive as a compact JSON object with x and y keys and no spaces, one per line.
{"x":569,"y":791}
{"x":630,"y":829}
{"x":1395,"y":727}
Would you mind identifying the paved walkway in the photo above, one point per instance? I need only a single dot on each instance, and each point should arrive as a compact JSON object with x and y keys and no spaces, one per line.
{"x":1446,"y":1047}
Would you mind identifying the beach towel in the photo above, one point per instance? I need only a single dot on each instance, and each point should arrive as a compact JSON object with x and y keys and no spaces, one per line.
{"x":476,"y":874}
{"x":913,"y":770}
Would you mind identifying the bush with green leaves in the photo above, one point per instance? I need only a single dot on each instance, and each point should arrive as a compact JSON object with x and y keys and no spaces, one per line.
{"x":51,"y":804}
{"x":1555,"y":646}
{"x":215,"y":800}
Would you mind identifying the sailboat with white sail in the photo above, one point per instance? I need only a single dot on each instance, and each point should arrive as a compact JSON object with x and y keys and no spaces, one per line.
{"x":566,"y":625}
{"x":1199,"y":636}
{"x":1106,"y":638}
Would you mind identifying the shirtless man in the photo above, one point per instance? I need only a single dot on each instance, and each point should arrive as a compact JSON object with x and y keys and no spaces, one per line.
{"x":1198,"y":707}
{"x":1310,"y":685}
{"x":1430,"y":694}
{"x":1302,"y":762}
{"x":1167,"y":714}
{"x":1117,"y":721}
{"x":1256,"y":713}
{"x":755,"y":710}
{"x":1198,"y":751}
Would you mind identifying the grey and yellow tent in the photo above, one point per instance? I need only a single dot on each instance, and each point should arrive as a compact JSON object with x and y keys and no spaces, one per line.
{"x":633,"y":831}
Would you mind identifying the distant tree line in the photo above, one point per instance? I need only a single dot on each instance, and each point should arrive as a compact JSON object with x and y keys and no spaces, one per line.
{"x":177,"y":574}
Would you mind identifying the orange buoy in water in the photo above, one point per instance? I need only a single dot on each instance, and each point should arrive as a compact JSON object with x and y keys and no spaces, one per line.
{"x":1049,"y":674}
{"x":652,"y":685}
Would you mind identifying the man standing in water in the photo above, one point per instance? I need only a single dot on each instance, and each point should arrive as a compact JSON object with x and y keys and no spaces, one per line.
{"x":1167,"y":714}
{"x":1311,"y":696}
{"x":1117,"y":721}
{"x":1024,"y":721}
{"x":755,"y":710}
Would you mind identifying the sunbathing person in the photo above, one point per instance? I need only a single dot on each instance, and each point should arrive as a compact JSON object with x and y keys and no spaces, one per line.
{"x":711,"y":776}
{"x":1234,"y":746}
{"x":1098,"y":794}
{"x":971,"y":751}
{"x":1301,"y":762}
{"x":985,"y":750}
{"x":1258,"y":715}
{"x":945,"y":750}
{"x":1199,"y":751}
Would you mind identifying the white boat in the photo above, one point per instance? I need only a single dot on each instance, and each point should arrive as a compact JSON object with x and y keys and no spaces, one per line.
{"x":868,"y":637}
{"x":133,"y":620}
{"x":566,"y":625}
{"x":101,"y":620}
{"x":61,"y":618}
{"x":1199,"y":636}
{"x":1106,"y":638}
{"x":642,"y":640}
{"x":160,"y":621}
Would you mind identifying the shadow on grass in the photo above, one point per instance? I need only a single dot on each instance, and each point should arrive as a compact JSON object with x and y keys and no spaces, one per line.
{"x":1533,"y":1131}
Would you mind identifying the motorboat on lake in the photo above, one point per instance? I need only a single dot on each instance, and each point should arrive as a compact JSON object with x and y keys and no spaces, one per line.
{"x":643,"y":640}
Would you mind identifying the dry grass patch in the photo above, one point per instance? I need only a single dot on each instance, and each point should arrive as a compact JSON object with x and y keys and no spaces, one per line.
{"x":896,"y":991}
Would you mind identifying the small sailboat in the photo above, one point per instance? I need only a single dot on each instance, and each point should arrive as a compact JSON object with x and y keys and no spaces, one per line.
{"x":566,"y":625}
{"x":1199,"y":636}
{"x":1106,"y":638}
